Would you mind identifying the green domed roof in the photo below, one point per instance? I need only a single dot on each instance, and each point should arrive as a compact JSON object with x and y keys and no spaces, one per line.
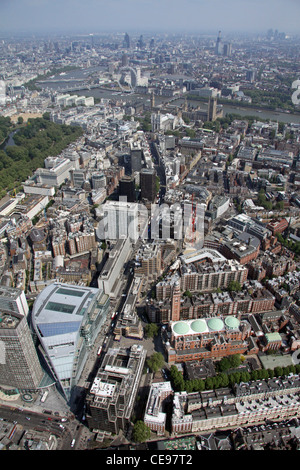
{"x":199,"y":326}
{"x":215,"y":324}
{"x":232,"y":322}
{"x":181,"y":328}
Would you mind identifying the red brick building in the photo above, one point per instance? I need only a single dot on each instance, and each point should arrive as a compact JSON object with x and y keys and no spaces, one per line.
{"x":206,"y":338}
{"x":277,"y":226}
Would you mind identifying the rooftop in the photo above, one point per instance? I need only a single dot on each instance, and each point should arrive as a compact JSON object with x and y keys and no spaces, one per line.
{"x":204,"y":325}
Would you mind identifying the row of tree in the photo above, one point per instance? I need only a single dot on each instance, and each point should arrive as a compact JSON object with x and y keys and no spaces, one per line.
{"x":225,"y":379}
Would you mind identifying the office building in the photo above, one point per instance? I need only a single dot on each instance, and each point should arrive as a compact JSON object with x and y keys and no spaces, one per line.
{"x":110,"y":279}
{"x":148,"y":261}
{"x":67,"y":320}
{"x":19,"y":364}
{"x":155,"y":415}
{"x":13,"y":300}
{"x":98,"y":180}
{"x":56,"y":172}
{"x":127,"y":41}
{"x":136,"y":159}
{"x":111,"y":398}
{"x":127,"y":188}
{"x":219,"y":45}
{"x":148,"y":184}
{"x":227,"y":50}
{"x":78,"y":177}
{"x":121,"y":219}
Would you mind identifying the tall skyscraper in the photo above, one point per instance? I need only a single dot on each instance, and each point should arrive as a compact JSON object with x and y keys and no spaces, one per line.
{"x":19,"y":364}
{"x":148,"y":184}
{"x":218,"y":49}
{"x":127,"y":41}
{"x":227,"y":51}
{"x":127,"y":188}
{"x":136,"y":158}
{"x":67,"y":320}
{"x":120,"y":220}
{"x":124,"y":60}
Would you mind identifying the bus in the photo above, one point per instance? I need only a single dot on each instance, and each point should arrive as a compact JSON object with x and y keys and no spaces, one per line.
{"x":99,"y":351}
{"x":45,"y":394}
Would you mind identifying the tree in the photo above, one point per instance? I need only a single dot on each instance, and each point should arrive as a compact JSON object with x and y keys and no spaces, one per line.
{"x":234,"y":286}
{"x":177,"y":379}
{"x":209,"y":383}
{"x":141,"y":432}
{"x":156,"y":361}
{"x":151,"y":330}
{"x":187,"y":293}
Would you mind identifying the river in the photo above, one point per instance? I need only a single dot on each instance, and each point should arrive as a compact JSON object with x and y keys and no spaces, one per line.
{"x":78,"y":77}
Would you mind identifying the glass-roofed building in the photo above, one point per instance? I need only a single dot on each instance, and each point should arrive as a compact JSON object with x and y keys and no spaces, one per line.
{"x":67,"y":320}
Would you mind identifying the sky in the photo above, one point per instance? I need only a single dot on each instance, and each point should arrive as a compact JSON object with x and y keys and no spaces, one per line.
{"x":97,"y":16}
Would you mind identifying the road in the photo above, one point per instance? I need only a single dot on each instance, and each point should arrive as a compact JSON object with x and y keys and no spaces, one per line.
{"x":65,"y":431}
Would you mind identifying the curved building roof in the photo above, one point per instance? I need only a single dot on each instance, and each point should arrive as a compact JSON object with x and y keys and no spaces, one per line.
{"x":61,"y":318}
{"x":215,"y":324}
{"x":181,"y":328}
{"x":232,"y":322}
{"x":199,"y":326}
{"x":204,"y":325}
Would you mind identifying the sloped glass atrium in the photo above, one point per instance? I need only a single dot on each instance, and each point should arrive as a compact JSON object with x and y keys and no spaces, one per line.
{"x":67,"y":320}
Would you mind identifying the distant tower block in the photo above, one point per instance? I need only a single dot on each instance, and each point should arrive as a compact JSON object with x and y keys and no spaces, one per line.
{"x":219,"y":44}
{"x":152,"y":100}
{"x":212,"y":109}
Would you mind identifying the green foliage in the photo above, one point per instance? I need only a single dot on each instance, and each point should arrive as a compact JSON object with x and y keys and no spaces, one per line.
{"x":262,"y":201}
{"x":156,"y":361}
{"x":289,"y":244}
{"x":225,"y":378}
{"x":141,"y":432}
{"x":177,"y":379}
{"x":229,"y":362}
{"x":272,"y":99}
{"x":234,"y":286}
{"x":5,"y":128}
{"x":187,"y":293}
{"x":151,"y":330}
{"x":157,"y":184}
{"x":35,"y":141}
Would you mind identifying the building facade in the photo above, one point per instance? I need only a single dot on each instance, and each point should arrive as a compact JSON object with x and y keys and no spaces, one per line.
{"x":19,"y":365}
{"x":110,"y":400}
{"x":67,"y":320}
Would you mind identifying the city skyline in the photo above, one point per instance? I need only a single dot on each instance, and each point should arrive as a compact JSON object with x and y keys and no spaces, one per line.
{"x":94,"y":16}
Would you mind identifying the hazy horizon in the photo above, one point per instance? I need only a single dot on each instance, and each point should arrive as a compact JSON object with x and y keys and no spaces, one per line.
{"x":99,"y":16}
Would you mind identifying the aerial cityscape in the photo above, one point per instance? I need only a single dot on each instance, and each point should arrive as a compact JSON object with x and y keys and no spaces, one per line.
{"x":149,"y":229}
